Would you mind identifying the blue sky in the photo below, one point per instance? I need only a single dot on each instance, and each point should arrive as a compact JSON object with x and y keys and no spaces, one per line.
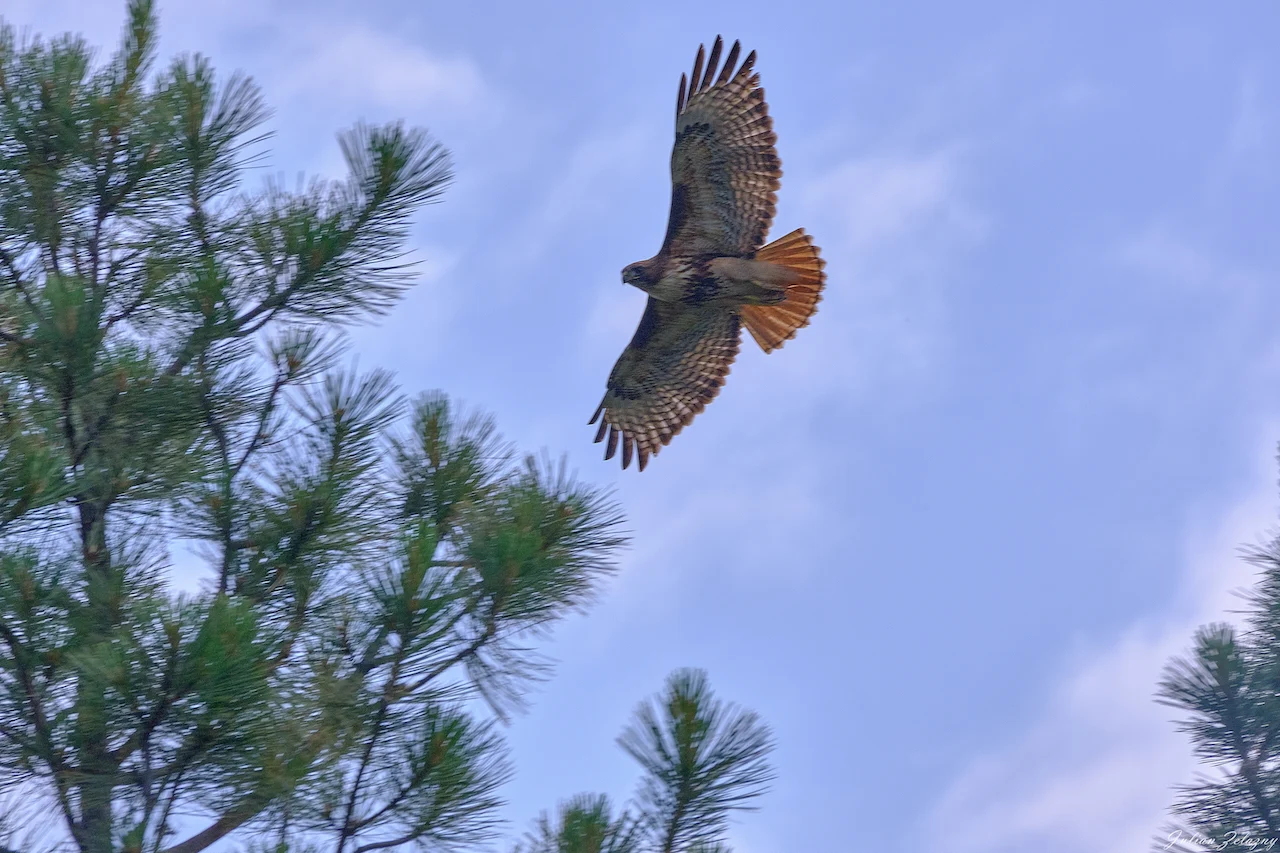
{"x":945,"y":540}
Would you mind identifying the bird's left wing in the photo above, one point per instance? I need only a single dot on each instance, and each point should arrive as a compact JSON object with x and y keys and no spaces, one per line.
{"x":674,"y":366}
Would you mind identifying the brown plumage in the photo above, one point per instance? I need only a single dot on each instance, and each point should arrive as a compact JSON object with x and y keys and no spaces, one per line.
{"x":713,"y":275}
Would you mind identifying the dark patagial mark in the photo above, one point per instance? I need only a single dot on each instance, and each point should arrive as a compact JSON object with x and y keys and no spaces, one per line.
{"x":679,"y":210}
{"x":648,"y":325}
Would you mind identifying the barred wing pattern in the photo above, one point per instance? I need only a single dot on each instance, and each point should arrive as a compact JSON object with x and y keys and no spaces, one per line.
{"x":725,"y":170}
{"x":725,"y":174}
{"x":674,"y":366}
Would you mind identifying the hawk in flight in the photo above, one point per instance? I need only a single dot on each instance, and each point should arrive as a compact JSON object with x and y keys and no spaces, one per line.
{"x":713,"y":274}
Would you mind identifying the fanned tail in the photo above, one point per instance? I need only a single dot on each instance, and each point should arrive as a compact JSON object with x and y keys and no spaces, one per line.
{"x":774,"y":325}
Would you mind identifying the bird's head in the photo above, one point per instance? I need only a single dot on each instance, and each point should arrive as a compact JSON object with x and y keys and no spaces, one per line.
{"x":636,"y":274}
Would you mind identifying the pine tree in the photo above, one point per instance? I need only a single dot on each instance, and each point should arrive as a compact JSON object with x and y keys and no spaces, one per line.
{"x":1229,"y":690}
{"x":170,"y":370}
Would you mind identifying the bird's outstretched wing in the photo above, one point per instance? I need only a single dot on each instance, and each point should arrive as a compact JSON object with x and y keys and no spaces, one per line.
{"x":725,"y":171}
{"x":673,"y":367}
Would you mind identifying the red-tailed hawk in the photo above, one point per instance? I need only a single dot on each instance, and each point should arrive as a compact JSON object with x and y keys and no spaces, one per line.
{"x":713,"y":274}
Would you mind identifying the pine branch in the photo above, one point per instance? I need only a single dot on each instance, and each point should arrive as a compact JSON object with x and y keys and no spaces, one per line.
{"x":1226,"y":688}
{"x":43,"y":730}
{"x":260,"y":433}
{"x":393,"y":802}
{"x":461,"y":656}
{"x":161,"y":829}
{"x":1248,"y":764}
{"x":252,"y":804}
{"x":702,"y":760}
{"x":231,"y":820}
{"x":349,"y":824}
{"x":168,"y":699}
{"x":15,"y":339}
{"x":407,"y":838}
{"x":20,"y":740}
{"x":15,"y":277}
{"x":128,"y":311}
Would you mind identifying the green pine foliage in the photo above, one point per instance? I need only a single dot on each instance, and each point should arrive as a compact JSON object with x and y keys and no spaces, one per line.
{"x":702,"y":759}
{"x":1228,"y":691}
{"x":171,"y":348}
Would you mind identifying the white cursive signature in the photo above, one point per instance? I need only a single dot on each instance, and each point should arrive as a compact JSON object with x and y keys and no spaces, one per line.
{"x":1231,"y":839}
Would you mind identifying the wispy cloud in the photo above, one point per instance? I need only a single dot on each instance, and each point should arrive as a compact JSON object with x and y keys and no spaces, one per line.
{"x":891,"y":224}
{"x":1094,"y":773}
{"x":344,"y":60}
{"x":1163,"y":254}
{"x":1246,"y":159}
{"x":1251,"y":124}
{"x":578,"y":189}
{"x":1171,"y":280}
